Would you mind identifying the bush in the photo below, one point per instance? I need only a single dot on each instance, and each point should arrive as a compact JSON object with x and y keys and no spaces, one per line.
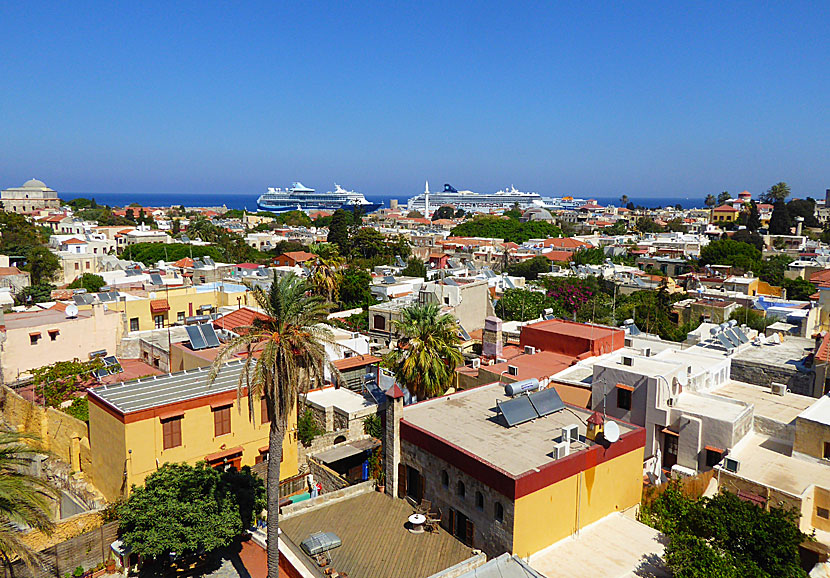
{"x":371,"y":426}
{"x":307,"y":428}
{"x":79,"y":409}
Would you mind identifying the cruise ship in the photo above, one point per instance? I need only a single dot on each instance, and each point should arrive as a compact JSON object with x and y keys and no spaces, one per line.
{"x":472,"y":202}
{"x":300,"y":197}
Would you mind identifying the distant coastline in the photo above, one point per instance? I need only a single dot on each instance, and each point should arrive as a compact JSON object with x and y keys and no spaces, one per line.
{"x":248,"y":201}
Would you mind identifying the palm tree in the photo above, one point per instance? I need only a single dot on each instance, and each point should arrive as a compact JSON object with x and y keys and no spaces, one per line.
{"x":291,"y":347}
{"x":428,"y":350}
{"x":710,"y":201}
{"x":326,"y":276}
{"x":25,"y":500}
{"x":624,"y":200}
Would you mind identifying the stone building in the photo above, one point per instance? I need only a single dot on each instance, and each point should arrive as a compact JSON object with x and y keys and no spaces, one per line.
{"x":33,"y":196}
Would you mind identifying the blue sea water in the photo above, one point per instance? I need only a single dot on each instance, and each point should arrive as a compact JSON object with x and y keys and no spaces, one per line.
{"x":248,"y":201}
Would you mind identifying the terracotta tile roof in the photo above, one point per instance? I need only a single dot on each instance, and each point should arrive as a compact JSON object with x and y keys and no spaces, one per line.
{"x":74,"y":241}
{"x":185,"y":262}
{"x":564,"y":243}
{"x":9,"y":271}
{"x":822,"y":276}
{"x":558,"y":256}
{"x":300,"y":255}
{"x":159,"y":305}
{"x":248,"y":266}
{"x":59,"y":306}
{"x":725,"y":209}
{"x":243,"y":317}
{"x":355,"y":361}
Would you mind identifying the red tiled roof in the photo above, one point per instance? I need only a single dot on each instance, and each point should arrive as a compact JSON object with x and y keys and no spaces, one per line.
{"x":726,"y":209}
{"x":394,"y":392}
{"x":248,"y":266}
{"x":300,"y":255}
{"x":558,"y":256}
{"x":563,"y":243}
{"x":822,"y":276}
{"x":355,"y":361}
{"x":185,"y":262}
{"x":243,"y":317}
{"x":539,"y":365}
{"x":9,"y":271}
{"x":74,"y":241}
{"x":159,"y":305}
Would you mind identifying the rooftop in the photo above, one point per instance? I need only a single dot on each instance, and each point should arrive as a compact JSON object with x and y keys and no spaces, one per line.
{"x":42,"y":317}
{"x":780,"y":408}
{"x":469,"y":420}
{"x":539,"y":365}
{"x":375,"y":542}
{"x":341,"y":398}
{"x":819,"y":411}
{"x":712,"y":406}
{"x":790,"y":352}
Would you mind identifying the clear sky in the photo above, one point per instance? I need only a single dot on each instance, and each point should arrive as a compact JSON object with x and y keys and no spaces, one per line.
{"x":589,"y":98}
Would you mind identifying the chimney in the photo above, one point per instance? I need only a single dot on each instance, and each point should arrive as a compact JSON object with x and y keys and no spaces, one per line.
{"x":392,"y":438}
{"x":491,"y":338}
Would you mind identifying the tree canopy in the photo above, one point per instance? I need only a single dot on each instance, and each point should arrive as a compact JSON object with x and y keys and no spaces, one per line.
{"x":355,"y":288}
{"x":339,"y":230}
{"x":415,"y":268}
{"x":507,"y":229}
{"x":522,"y":305}
{"x":443,"y":212}
{"x":42,"y":264}
{"x":152,"y":253}
{"x":780,"y":223}
{"x":777,"y":192}
{"x":17,"y":234}
{"x":729,"y":252}
{"x":89,"y":281}
{"x":530,"y":268}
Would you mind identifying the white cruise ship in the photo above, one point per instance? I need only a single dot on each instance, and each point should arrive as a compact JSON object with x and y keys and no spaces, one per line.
{"x":472,"y":202}
{"x":299,"y":197}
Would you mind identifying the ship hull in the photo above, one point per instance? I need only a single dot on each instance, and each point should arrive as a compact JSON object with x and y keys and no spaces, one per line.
{"x":310,"y":208}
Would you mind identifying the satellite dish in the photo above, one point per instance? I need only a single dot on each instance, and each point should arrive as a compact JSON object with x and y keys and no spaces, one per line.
{"x":611,"y":432}
{"x":71,"y":311}
{"x":152,"y":294}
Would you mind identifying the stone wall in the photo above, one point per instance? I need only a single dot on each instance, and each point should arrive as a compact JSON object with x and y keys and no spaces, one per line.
{"x":810,"y":437}
{"x":775,"y":429}
{"x":326,"y":499}
{"x":325,"y":441}
{"x":328,"y":478}
{"x":491,"y":536}
{"x":762,"y":374}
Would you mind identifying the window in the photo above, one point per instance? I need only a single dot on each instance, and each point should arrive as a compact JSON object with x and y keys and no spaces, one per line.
{"x":460,"y":489}
{"x":822,"y":512}
{"x":713,"y":456}
{"x":86,"y":265}
{"x":498,"y":512}
{"x":263,"y":411}
{"x":53,"y":334}
{"x":827,"y":450}
{"x":180,"y":317}
{"x":77,"y":266}
{"x":445,"y":479}
{"x":624,"y":399}
{"x":222,"y":421}
{"x":379,"y":322}
{"x":172,"y":432}
{"x":134,"y":324}
{"x":159,"y":321}
{"x":34,"y":338}
{"x":479,"y":500}
{"x":156,"y":361}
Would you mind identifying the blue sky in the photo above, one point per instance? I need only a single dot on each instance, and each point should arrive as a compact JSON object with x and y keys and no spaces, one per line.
{"x":588,"y":98}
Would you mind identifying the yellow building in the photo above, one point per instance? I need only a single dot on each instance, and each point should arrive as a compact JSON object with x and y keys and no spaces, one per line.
{"x":512,"y":488}
{"x":137,"y":426}
{"x":724,"y":214}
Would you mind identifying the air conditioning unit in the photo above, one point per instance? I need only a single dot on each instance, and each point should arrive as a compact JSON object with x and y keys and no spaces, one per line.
{"x":731,"y":465}
{"x":476,"y":363}
{"x":570,"y":433}
{"x":778,"y":388}
{"x":647,"y":352}
{"x":512,"y":370}
{"x":561,"y":450}
{"x":627,"y":361}
{"x":530,"y":350}
{"x":628,"y":342}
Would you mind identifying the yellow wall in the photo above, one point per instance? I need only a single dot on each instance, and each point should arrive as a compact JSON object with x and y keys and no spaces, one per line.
{"x":111,"y":440}
{"x":559,"y":510}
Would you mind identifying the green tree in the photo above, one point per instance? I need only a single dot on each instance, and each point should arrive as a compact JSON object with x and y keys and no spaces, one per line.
{"x":805,"y":208}
{"x":355,"y":288}
{"x":459,"y":213}
{"x":42,"y":264}
{"x":368,"y":243}
{"x":129,"y":214}
{"x":521,"y":305}
{"x":26,"y":501}
{"x":414,"y":215}
{"x":799,"y":289}
{"x":89,"y":281}
{"x":372,"y":426}
{"x":530,"y":268}
{"x":495,"y":227}
{"x":777,"y":192}
{"x":723,"y":197}
{"x":745,"y":236}
{"x":308,"y":428}
{"x":291,"y":347}
{"x":428,"y":350}
{"x":750,"y":317}
{"x":175,"y":227}
{"x":415,"y":268}
{"x":443,"y":212}
{"x":711,"y":202}
{"x":753,"y":221}
{"x":327,"y":275}
{"x":32,"y":294}
{"x":17,"y":234}
{"x":188,"y":510}
{"x":152,"y":253}
{"x":618,"y":228}
{"x":623,"y":200}
{"x":771,"y":269}
{"x":589,"y":256}
{"x":729,"y":252}
{"x":339,"y":231}
{"x":780,"y":223}
{"x":647,"y":225}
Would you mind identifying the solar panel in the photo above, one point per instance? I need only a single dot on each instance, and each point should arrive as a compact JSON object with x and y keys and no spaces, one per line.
{"x":208,"y":261}
{"x":110,"y":360}
{"x":210,"y":335}
{"x":546,"y":401}
{"x":450,"y":281}
{"x":103,"y":372}
{"x":517,"y":410}
{"x":377,"y":393}
{"x":740,"y":335}
{"x":197,"y":341}
{"x":723,"y":341}
{"x":389,"y":279}
{"x":155,"y":279}
{"x":185,"y":239}
{"x":733,"y":339}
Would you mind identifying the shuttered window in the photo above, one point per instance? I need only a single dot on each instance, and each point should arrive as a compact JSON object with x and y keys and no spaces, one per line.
{"x":222,"y":421}
{"x":263,"y":411}
{"x":172,"y":432}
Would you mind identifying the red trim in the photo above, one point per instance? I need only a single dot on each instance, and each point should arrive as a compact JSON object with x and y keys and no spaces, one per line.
{"x":170,"y":415}
{"x":222,"y":455}
{"x":221,"y":404}
{"x":625,"y":387}
{"x":713,"y":449}
{"x":670,"y":432}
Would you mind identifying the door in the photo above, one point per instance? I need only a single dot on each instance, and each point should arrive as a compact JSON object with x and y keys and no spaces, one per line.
{"x":669,"y":449}
{"x":414,"y":484}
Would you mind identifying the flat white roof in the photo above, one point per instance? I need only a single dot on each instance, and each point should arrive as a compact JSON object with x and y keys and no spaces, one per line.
{"x":711,"y":406}
{"x":780,"y":408}
{"x":341,"y":398}
{"x":819,"y":411}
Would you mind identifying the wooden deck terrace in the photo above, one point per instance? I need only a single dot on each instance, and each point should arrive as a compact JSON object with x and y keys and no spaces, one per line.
{"x":376,"y":544}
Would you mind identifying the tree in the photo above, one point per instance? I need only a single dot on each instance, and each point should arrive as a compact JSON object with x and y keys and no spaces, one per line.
{"x":588,"y":256}
{"x":530,"y":268}
{"x":89,"y":281}
{"x":368,"y":242}
{"x":32,"y":294}
{"x":291,"y":346}
{"x":428,"y":350}
{"x":729,"y":252}
{"x":777,"y":192}
{"x":723,"y":197}
{"x":521,"y":305}
{"x":414,"y":215}
{"x":751,"y":318}
{"x":41,"y":263}
{"x":805,"y":208}
{"x":339,"y":230}
{"x":415,"y":268}
{"x":129,"y":214}
{"x":745,"y":236}
{"x":152,"y":253}
{"x":326,"y":276}
{"x":618,"y":228}
{"x":26,"y":501}
{"x":443,"y":212}
{"x":753,"y":220}
{"x":175,"y":227}
{"x":799,"y":289}
{"x":710,"y":201}
{"x":459,"y":213}
{"x":647,"y":225}
{"x":355,"y":288}
{"x":623,"y":200}
{"x":308,"y":428}
{"x":17,"y":234}
{"x":495,"y":227}
{"x":188,"y":510}
{"x":780,"y":223}
{"x":771,"y":269}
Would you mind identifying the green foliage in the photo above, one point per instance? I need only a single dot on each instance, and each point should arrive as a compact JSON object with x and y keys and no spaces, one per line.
{"x":189,"y":509}
{"x":42,"y":264}
{"x":618,"y":228}
{"x":651,"y":311}
{"x":233,"y":247}
{"x":341,"y":220}
{"x":41,"y":293}
{"x":82,"y":203}
{"x":372,"y":426}
{"x":725,"y":536}
{"x":780,"y":222}
{"x":710,"y":201}
{"x":355,"y":288}
{"x":89,"y":281}
{"x":530,"y":268}
{"x":58,"y":382}
{"x":152,"y":253}
{"x":414,"y":215}
{"x":777,"y":192}
{"x":753,"y":220}
{"x":415,"y":268}
{"x":104,"y":216}
{"x":507,"y":229}
{"x":723,"y":197}
{"x":373,"y":246}
{"x":307,"y":427}
{"x":647,"y":225}
{"x":805,"y":208}
{"x":287,"y":246}
{"x":728,"y":252}
{"x":293,"y":219}
{"x":771,"y":269}
{"x":522,"y":305}
{"x":443,"y":212}
{"x":747,"y":236}
{"x":799,"y":289}
{"x":589,"y":256}
{"x":754,"y":319}
{"x":376,"y":470}
{"x":79,"y":409}
{"x":17,"y":234}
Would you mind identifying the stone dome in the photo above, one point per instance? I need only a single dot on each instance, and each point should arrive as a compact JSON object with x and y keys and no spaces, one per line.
{"x":537,"y":214}
{"x":34,"y":184}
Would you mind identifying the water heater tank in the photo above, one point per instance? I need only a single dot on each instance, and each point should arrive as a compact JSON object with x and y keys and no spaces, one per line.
{"x":525,"y":385}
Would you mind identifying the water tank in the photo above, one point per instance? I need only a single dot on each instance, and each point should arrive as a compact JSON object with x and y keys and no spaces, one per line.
{"x":522,"y":386}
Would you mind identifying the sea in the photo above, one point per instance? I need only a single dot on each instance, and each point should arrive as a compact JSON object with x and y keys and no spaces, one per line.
{"x":248,"y":200}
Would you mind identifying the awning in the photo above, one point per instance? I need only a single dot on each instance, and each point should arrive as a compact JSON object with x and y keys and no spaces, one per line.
{"x":625,"y":387}
{"x":34,"y":334}
{"x":343,"y":451}
{"x":54,"y":331}
{"x":670,"y":432}
{"x":713,"y":449}
{"x":233,"y":452}
{"x":171,"y":415}
{"x":221,"y":404}
{"x":159,"y":305}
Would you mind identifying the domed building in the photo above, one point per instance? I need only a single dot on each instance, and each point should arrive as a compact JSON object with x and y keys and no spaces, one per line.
{"x":34,"y":195}
{"x":536,"y":214}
